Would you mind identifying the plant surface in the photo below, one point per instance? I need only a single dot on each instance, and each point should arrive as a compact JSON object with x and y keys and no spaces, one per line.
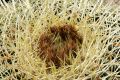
{"x":59,"y":40}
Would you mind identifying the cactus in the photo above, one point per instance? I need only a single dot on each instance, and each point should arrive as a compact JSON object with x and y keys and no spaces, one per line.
{"x":59,"y":40}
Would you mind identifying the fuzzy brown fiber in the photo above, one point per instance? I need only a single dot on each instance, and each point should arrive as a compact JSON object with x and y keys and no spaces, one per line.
{"x":58,"y":44}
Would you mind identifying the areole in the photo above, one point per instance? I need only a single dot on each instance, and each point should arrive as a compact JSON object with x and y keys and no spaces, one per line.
{"x":58,"y":43}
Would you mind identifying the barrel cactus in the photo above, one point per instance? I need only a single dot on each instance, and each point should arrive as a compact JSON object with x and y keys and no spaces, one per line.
{"x":59,"y":40}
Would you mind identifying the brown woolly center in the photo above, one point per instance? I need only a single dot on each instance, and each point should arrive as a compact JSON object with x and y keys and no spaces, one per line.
{"x":58,"y":44}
